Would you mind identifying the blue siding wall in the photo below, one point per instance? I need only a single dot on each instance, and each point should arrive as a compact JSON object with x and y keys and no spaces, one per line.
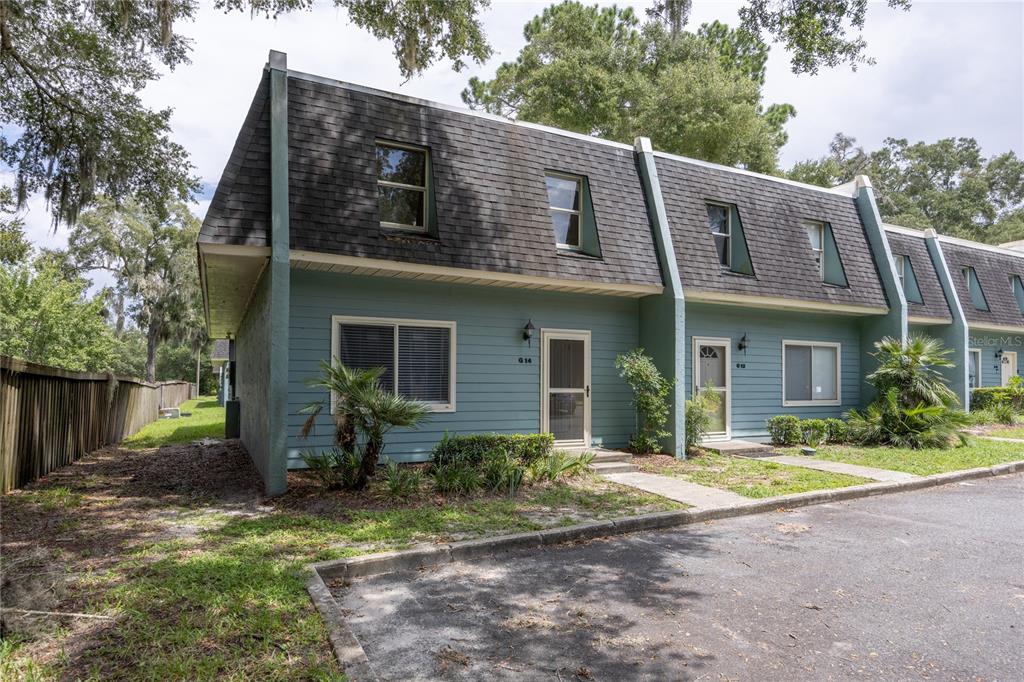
{"x":252,"y":385}
{"x":757,"y":385}
{"x":990,"y":342}
{"x":494,"y":390}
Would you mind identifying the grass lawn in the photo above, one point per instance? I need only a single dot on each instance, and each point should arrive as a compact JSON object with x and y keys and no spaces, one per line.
{"x":1008,"y":432}
{"x":206,"y":421}
{"x":747,"y":477}
{"x":979,"y":453}
{"x":197,"y":577}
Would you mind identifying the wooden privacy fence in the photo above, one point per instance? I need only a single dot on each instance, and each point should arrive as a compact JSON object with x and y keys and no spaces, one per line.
{"x":50,"y":417}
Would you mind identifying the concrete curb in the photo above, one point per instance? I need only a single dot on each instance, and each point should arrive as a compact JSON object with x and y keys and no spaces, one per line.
{"x":352,"y":657}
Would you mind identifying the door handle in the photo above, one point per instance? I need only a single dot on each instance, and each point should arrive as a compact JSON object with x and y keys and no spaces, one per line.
{"x":588,"y":391}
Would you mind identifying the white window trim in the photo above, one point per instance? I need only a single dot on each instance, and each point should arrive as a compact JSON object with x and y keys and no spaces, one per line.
{"x":727,"y":234}
{"x":839,"y":374}
{"x":820,"y":226}
{"x":420,"y":229}
{"x":699,"y":341}
{"x":578,"y":179}
{"x":976,"y":352}
{"x":396,"y":322}
{"x":901,"y":271}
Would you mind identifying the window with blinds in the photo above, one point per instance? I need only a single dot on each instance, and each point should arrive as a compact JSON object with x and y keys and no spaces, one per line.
{"x":417,"y":356}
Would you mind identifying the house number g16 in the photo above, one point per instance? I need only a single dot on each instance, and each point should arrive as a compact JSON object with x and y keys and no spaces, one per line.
{"x":741,"y":365}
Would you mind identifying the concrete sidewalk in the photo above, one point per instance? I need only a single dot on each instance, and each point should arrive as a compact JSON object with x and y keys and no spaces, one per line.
{"x":693,"y":494}
{"x":841,"y":468}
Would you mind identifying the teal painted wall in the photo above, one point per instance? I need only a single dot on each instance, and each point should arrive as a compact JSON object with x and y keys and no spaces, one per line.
{"x":494,"y":391}
{"x":990,"y":342}
{"x":252,"y":385}
{"x":757,"y":386}
{"x":953,"y":335}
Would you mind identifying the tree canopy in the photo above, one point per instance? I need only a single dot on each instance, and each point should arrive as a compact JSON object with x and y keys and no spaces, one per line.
{"x":948,"y":185}
{"x":73,"y":127}
{"x":598,"y":71}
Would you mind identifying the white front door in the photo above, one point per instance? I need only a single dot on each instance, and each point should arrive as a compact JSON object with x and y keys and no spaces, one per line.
{"x":711,"y":372}
{"x":565,"y":385}
{"x":1008,"y":367}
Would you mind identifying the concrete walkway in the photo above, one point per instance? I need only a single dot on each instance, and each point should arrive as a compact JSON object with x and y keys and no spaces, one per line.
{"x":698,"y":496}
{"x":1003,"y":440}
{"x":842,"y":468}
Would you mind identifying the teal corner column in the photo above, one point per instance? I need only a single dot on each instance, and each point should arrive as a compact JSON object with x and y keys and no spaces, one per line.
{"x":663,"y":316}
{"x":954,"y":335}
{"x":893,"y":323}
{"x":279,"y":271}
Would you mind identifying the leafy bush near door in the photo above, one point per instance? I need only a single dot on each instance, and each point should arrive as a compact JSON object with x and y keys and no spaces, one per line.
{"x":1011,"y":395}
{"x":650,"y":397}
{"x":784,"y":429}
{"x":472,"y":448}
{"x":836,"y":431}
{"x":813,"y":432}
{"x":700,"y":414}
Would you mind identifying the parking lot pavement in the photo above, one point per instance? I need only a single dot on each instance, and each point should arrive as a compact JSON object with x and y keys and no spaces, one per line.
{"x":921,"y":585}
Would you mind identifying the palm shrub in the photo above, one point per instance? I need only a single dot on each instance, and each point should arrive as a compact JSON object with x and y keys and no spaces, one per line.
{"x":915,"y":407}
{"x":364,"y":412}
{"x":650,"y":397}
{"x":401,"y":482}
{"x":700,"y":413}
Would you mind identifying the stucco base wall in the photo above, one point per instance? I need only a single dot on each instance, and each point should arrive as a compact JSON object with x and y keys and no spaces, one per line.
{"x":757,"y":371}
{"x":497,"y":372}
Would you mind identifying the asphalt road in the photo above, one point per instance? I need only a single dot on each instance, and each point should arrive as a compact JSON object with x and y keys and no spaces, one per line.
{"x":921,"y":585}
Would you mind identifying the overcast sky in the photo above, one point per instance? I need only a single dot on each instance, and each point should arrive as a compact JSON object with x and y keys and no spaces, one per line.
{"x":943,"y":69}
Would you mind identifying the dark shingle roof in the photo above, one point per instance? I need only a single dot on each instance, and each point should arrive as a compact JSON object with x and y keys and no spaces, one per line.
{"x":771,"y":212}
{"x":240,"y":210}
{"x":914,"y":248}
{"x":994,"y":270}
{"x":488,"y":175}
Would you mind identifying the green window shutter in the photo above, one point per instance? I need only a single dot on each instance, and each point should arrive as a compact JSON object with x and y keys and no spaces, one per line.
{"x":910,"y":287}
{"x":832,"y":264}
{"x":590,"y":244}
{"x":740,"y":255}
{"x":1018,"y":292}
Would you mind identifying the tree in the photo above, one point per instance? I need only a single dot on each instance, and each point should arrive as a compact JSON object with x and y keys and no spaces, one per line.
{"x":14,"y":247}
{"x":598,"y":71}
{"x":947,"y":185}
{"x":153,"y":262}
{"x":71,"y":73}
{"x":48,"y":319}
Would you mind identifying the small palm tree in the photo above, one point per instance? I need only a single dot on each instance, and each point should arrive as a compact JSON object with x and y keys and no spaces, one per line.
{"x":364,"y":412}
{"x":913,"y":370}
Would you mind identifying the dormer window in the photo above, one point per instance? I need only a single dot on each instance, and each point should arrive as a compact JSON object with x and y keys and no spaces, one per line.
{"x":908,"y":281}
{"x":402,"y":190}
{"x":565,"y":201}
{"x":825,"y":252}
{"x":721,"y":229}
{"x":816,"y":235}
{"x":974,"y":288}
{"x":901,"y":270}
{"x":1018,"y":291}
{"x":730,"y":242}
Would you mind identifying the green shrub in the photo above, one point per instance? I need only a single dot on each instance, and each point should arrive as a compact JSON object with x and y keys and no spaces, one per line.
{"x":471,"y":448}
{"x":456,"y":478}
{"x":700,"y":412}
{"x":784,"y":429}
{"x":985,"y":398}
{"x":650,"y":397}
{"x":501,"y":472}
{"x":335,"y":468}
{"x":559,"y":464}
{"x":837,"y":431}
{"x":1003,"y":413}
{"x":887,"y":422}
{"x":813,"y":432}
{"x":402,"y":482}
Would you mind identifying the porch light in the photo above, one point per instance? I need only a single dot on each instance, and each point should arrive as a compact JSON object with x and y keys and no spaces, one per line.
{"x":744,"y":343}
{"x":528,"y":332}
{"x":999,"y":353}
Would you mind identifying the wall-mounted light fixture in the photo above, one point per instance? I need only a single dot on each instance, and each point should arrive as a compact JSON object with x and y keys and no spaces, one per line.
{"x":744,"y":343}
{"x":528,"y":332}
{"x":999,"y":353}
